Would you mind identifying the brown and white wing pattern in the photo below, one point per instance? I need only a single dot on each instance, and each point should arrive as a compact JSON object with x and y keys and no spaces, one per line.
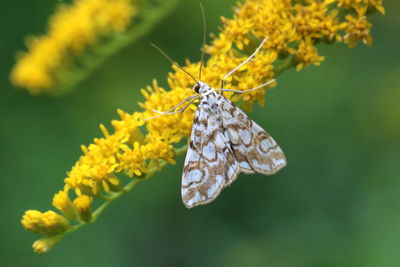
{"x":224,"y":141}
{"x":254,"y":148}
{"x":210,"y":163}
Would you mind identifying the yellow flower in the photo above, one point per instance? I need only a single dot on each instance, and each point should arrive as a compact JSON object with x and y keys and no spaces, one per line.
{"x":64,"y":204}
{"x":43,"y":245}
{"x":358,"y":29}
{"x":71,"y":30}
{"x":83,"y":204}
{"x":308,"y":54}
{"x":377,"y":4}
{"x":141,"y":143}
{"x":316,"y":21}
{"x":48,"y":223}
{"x":133,"y":160}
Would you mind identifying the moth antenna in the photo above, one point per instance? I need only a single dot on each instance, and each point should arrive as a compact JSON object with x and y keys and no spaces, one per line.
{"x":244,"y":62}
{"x":173,"y":62}
{"x":248,"y":90}
{"x":203,"y":15}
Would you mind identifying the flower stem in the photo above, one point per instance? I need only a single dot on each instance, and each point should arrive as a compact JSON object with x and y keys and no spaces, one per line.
{"x":285,"y":64}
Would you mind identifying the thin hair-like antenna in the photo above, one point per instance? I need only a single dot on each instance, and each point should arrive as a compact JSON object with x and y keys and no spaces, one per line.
{"x":244,"y":62}
{"x":173,"y":62}
{"x":203,"y":14}
{"x":248,"y":90}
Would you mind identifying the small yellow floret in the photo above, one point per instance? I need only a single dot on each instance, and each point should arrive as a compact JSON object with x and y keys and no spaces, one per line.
{"x":83,"y":204}
{"x":64,"y":204}
{"x":45,"y":244}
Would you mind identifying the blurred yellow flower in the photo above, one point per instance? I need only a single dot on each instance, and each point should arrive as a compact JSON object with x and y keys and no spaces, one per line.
{"x":138,"y":147}
{"x":63,"y":203}
{"x":43,"y":245}
{"x":377,"y":4}
{"x":72,"y":29}
{"x":83,"y":204}
{"x":358,"y":28}
{"x":308,"y":54}
{"x":48,"y":223}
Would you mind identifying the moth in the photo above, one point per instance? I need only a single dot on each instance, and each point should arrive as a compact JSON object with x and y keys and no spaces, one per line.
{"x":224,"y":142}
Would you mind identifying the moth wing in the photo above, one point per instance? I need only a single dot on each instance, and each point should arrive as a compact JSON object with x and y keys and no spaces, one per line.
{"x":210,"y":164}
{"x":254,"y":148}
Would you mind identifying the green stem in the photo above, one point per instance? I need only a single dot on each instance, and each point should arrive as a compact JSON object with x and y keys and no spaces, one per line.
{"x":287,"y":63}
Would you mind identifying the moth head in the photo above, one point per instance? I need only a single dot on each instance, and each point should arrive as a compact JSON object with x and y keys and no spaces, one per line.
{"x":200,"y":87}
{"x":196,"y":87}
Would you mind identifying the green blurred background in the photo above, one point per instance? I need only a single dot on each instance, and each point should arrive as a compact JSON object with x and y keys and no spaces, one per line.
{"x":335,"y":204}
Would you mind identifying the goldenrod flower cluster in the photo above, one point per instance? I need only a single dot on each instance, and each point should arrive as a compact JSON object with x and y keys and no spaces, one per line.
{"x":137,"y":147}
{"x":71,"y":31}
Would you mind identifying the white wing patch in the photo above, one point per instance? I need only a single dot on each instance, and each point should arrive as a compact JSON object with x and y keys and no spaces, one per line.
{"x":224,"y":142}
